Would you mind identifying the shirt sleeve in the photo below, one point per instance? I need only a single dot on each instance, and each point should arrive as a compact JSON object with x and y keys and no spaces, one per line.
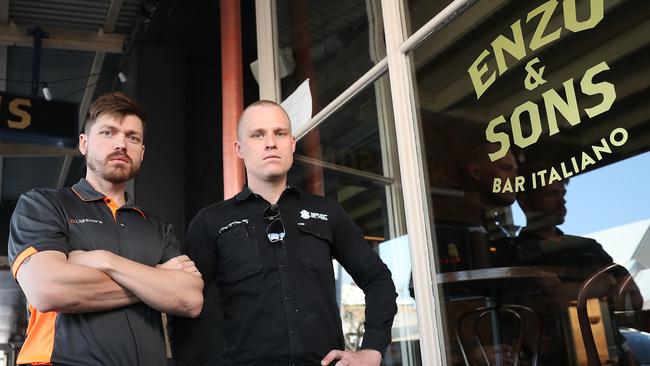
{"x":188,"y":336}
{"x":371,"y":275}
{"x":171,"y":247}
{"x":36,"y":225}
{"x":199,"y":246}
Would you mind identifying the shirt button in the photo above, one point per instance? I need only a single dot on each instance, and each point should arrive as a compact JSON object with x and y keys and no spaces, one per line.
{"x":292,"y":331}
{"x":287,"y":298}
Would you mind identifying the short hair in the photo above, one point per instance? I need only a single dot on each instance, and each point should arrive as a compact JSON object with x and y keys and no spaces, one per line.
{"x":115,"y":104}
{"x":259,"y":103}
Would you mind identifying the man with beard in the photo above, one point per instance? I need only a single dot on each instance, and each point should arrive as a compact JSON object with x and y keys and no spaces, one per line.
{"x":97,"y":270}
{"x":541,"y":242}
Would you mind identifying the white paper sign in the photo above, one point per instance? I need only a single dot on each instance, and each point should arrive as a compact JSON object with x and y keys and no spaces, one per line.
{"x":298,"y":106}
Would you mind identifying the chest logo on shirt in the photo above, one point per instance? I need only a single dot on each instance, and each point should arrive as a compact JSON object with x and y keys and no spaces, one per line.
{"x":304,"y":214}
{"x":85,"y":221}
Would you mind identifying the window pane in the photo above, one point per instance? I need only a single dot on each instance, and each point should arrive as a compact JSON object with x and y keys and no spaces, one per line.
{"x":368,"y":205}
{"x":352,"y":136}
{"x":332,"y":42}
{"x":356,"y":139}
{"x":535,"y":123}
{"x":421,"y":11}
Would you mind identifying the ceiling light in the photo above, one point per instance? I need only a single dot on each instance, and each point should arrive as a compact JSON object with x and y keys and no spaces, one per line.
{"x":46,"y":92}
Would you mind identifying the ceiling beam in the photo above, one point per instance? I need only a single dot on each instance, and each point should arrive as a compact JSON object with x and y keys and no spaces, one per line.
{"x":111,"y":16}
{"x":4,"y":11}
{"x":456,"y":30}
{"x":365,"y":208}
{"x":66,"y":39}
{"x":629,"y":119}
{"x":602,"y":127}
{"x":65,"y":168}
{"x":98,"y":62}
{"x":91,"y":83}
{"x":4,"y":19}
{"x":614,"y":49}
{"x":462,"y":87}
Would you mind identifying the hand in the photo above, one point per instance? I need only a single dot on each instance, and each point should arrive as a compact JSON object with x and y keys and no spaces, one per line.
{"x":98,"y":259}
{"x":181,"y":263}
{"x":365,"y":357}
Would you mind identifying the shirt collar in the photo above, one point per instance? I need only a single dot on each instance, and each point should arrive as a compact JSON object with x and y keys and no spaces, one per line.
{"x":246,"y":193}
{"x":87,"y":193}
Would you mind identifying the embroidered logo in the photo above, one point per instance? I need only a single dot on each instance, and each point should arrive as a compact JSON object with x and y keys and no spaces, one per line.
{"x":304,"y":214}
{"x":232,"y":224}
{"x":85,"y":221}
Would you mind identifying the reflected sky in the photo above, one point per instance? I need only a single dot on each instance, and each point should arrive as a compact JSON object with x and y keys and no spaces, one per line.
{"x":613,"y":195}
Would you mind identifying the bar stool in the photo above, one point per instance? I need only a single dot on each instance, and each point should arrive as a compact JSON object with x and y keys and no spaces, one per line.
{"x":475,"y":318}
{"x":614,"y":283}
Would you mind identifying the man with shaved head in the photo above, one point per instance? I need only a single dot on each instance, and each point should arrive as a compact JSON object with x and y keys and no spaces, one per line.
{"x":270,"y":249}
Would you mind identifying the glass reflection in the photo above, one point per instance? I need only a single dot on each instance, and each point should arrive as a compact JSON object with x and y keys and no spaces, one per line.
{"x":332,"y":43}
{"x":367,"y":204}
{"x":520,"y":102}
{"x":349,"y":160}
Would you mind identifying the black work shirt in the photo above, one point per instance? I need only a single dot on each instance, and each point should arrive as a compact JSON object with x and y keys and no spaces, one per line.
{"x":567,"y":250}
{"x":279,"y":299}
{"x":80,"y":218}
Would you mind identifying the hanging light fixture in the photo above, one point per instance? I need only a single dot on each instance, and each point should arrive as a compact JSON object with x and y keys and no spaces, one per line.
{"x":46,"y":92}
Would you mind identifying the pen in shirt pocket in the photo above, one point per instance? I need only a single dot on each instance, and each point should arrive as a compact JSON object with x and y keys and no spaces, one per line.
{"x":246,"y":229}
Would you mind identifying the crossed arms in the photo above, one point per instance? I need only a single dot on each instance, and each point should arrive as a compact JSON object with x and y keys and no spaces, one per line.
{"x":97,"y":280}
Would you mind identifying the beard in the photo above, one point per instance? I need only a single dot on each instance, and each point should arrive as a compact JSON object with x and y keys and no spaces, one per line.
{"x":113,"y":174}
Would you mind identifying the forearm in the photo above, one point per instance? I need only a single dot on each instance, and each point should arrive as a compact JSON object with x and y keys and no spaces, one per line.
{"x":71,"y":288}
{"x":371,"y":275}
{"x":380,"y":311}
{"x":92,"y":291}
{"x":171,"y":291}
